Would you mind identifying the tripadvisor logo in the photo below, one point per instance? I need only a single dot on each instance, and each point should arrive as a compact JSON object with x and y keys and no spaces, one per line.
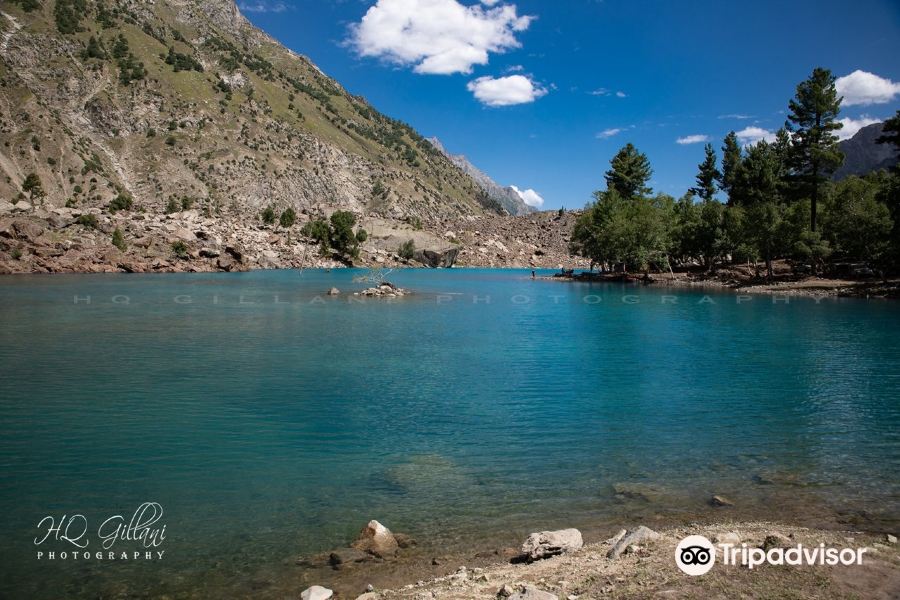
{"x":695,"y":555}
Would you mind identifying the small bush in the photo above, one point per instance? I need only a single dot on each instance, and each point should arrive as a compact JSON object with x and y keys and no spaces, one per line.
{"x":88,"y":220}
{"x":180,"y":249}
{"x":362,"y":235}
{"x":288,"y":218}
{"x":118,"y":240}
{"x":172,"y":206}
{"x":407,"y":250}
{"x":120,"y":202}
{"x":268,"y":215}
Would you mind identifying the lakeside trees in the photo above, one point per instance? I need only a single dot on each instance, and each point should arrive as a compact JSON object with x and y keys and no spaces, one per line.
{"x":781,"y":202}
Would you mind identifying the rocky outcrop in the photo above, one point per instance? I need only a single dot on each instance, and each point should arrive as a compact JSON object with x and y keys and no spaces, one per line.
{"x":437,"y":259}
{"x":551,"y":543}
{"x":376,"y":539}
{"x":383,"y":290}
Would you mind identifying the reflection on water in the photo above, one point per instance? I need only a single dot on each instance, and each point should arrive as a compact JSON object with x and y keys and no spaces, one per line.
{"x":271,"y":421}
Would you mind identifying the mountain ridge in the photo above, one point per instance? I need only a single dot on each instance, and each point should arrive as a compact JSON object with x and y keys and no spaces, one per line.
{"x":508,"y":198}
{"x":197,"y":102}
{"x":863,"y":154}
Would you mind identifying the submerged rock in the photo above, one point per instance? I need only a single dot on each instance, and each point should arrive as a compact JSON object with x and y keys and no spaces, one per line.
{"x":718,"y":500}
{"x":316,"y":592}
{"x":634,"y":537}
{"x":376,"y":539}
{"x":551,"y":543}
{"x":334,"y":292}
{"x":347,"y":556}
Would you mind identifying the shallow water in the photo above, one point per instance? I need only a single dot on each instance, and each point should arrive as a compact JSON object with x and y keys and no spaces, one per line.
{"x":271,"y":421}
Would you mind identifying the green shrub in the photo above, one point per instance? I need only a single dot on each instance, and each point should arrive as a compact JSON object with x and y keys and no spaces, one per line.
{"x":88,"y":220}
{"x":180,"y":249}
{"x":362,"y":235}
{"x":118,"y":240}
{"x":172,"y":206}
{"x":342,"y":237}
{"x":317,"y":230}
{"x":268,"y":215}
{"x":120,"y":202}
{"x":407,"y":249}
{"x":288,"y":218}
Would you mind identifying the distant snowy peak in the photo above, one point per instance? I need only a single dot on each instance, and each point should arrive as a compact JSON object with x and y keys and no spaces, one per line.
{"x":509,"y":197}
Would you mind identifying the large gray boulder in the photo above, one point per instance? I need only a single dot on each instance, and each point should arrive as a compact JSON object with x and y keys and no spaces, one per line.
{"x":376,"y":539}
{"x":437,"y":259}
{"x":551,"y":543}
{"x":634,"y":537}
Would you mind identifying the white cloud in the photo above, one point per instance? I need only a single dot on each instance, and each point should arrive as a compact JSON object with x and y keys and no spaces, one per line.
{"x":608,"y":133}
{"x":505,"y":91}
{"x":751,"y":135}
{"x":862,"y":88}
{"x":692,"y":139}
{"x":738,"y":116}
{"x":437,"y":36}
{"x":262,"y":6}
{"x":851,"y":126}
{"x":529,"y":197}
{"x":606,"y":92}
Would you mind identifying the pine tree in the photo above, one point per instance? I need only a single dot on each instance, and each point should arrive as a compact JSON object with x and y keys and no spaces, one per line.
{"x":731,"y":165}
{"x":33,"y":186}
{"x":707,"y":175}
{"x":629,"y":173}
{"x":814,"y":147}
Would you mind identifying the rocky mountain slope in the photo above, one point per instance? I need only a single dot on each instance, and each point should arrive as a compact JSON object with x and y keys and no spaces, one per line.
{"x":150,"y":135}
{"x":863,"y":154}
{"x":185,"y":99}
{"x":506,"y":197}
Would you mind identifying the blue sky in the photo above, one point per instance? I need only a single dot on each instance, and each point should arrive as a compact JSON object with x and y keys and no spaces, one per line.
{"x":540,"y":95}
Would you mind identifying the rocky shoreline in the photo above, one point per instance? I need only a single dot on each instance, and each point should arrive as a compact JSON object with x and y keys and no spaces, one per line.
{"x":784,"y":284}
{"x":67,"y":240}
{"x":639,"y":563}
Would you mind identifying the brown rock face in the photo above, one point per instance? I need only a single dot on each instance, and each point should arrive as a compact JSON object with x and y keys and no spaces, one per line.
{"x":376,"y":539}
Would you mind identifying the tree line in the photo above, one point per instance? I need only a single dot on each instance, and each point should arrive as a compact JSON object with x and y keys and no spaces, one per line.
{"x":781,"y":201}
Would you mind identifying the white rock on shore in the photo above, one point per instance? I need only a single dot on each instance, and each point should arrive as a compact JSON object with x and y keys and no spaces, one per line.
{"x":551,"y":543}
{"x":633,"y":538}
{"x":316,"y":592}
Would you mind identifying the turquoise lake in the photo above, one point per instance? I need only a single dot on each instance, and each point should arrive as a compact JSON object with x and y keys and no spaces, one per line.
{"x":271,"y":421}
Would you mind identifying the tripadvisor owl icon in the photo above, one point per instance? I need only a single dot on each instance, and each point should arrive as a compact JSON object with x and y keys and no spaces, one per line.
{"x":695,"y":555}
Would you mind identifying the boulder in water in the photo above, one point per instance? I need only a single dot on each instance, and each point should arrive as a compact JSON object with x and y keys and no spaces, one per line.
{"x":376,"y":539}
